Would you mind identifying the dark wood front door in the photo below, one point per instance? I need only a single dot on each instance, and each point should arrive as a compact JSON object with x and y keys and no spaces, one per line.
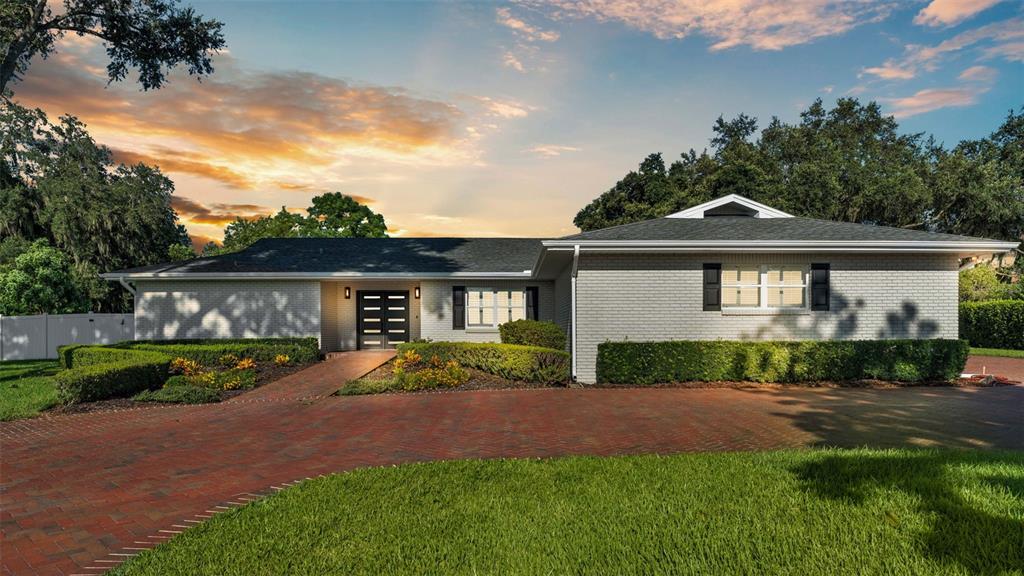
{"x":383,"y":318}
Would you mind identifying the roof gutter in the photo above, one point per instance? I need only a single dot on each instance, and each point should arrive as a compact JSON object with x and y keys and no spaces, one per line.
{"x":781,"y":246}
{"x":526,"y":274}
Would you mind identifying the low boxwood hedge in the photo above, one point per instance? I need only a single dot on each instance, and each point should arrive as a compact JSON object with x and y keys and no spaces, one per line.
{"x":206,"y":352}
{"x":526,"y":363}
{"x":993,"y":324}
{"x":780,"y":361}
{"x":179,"y":395}
{"x":115,"y":379}
{"x":533,"y":333}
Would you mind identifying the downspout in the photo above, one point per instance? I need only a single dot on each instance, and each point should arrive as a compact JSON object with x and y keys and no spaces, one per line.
{"x":572,"y":304}
{"x":127,"y":286}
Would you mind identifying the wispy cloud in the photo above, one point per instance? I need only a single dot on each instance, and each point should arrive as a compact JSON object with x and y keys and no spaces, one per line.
{"x":505,"y":108}
{"x":999,"y":37}
{"x":933,"y":99}
{"x":251,"y":130}
{"x":950,"y":12}
{"x":217,"y":214}
{"x":760,"y":24}
{"x":551,"y":150}
{"x":526,"y":31}
{"x":983,"y":74}
{"x":975,"y":81}
{"x":509,"y":59}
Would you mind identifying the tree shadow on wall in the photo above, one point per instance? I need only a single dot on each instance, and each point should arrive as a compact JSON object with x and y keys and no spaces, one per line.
{"x":948,"y":487}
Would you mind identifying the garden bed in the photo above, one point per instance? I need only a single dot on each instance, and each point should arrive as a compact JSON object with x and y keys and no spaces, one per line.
{"x":266,"y":372}
{"x":478,"y":380}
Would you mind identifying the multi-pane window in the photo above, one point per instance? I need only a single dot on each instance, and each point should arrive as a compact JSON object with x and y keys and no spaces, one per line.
{"x":487,"y":307}
{"x":764,"y":287}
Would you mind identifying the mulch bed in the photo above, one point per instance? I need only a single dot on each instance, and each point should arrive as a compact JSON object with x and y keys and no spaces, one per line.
{"x":266,"y":373}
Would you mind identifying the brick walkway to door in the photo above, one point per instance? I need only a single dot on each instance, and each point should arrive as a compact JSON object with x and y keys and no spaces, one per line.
{"x":80,"y":493}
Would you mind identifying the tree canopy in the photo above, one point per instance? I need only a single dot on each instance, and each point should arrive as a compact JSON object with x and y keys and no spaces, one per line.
{"x":149,"y":35}
{"x":40,"y":280}
{"x":332,"y":215}
{"x":848,"y":164}
{"x":58,"y":184}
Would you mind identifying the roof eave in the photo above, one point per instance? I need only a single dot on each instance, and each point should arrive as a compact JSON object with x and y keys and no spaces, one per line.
{"x":784,"y":246}
{"x":312,"y":275}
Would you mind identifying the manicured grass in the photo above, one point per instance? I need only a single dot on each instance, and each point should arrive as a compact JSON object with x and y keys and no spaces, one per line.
{"x":790,"y":512}
{"x":368,"y":386}
{"x":26,"y":388}
{"x":997,"y":352}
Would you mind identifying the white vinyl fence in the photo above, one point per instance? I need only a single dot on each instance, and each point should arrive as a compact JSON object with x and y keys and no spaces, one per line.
{"x":35,"y":337}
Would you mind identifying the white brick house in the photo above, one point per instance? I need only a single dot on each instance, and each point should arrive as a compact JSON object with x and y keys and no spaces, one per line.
{"x":727,"y":269}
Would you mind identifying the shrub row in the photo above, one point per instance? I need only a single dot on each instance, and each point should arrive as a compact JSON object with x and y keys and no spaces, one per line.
{"x":205,"y":352}
{"x":179,"y":395}
{"x":801,"y":361}
{"x":115,"y":379}
{"x":526,"y":363}
{"x":993,"y":324}
{"x":533,"y":333}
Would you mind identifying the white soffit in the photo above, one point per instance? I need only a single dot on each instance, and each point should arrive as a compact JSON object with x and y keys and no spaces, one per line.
{"x":760,"y":210}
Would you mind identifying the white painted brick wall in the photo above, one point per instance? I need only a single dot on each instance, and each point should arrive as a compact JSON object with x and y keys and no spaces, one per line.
{"x":436,"y":307}
{"x":226,"y":309}
{"x":649,"y":297}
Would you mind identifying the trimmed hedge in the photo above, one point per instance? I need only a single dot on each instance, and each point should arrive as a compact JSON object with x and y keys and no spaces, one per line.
{"x":533,"y":333}
{"x":205,"y":352}
{"x":780,"y":361}
{"x":526,"y":363}
{"x":117,"y":379}
{"x":993,"y":324}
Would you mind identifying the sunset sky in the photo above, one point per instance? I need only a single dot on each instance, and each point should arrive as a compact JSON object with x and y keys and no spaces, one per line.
{"x":483,"y":119}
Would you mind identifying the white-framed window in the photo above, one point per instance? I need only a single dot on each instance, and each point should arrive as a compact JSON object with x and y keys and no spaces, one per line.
{"x":767,"y":286}
{"x":489,"y":307}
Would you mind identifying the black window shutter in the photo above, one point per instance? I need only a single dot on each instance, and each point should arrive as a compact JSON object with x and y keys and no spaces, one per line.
{"x":820,"y":293}
{"x":533,"y":302}
{"x":458,"y":307}
{"x":712,"y":286}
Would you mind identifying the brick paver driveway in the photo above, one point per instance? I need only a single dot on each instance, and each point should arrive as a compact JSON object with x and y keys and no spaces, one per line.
{"x":80,"y":493}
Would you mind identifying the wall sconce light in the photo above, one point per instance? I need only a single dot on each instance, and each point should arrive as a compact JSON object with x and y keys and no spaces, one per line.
{"x":348,"y":293}
{"x":416,"y":292}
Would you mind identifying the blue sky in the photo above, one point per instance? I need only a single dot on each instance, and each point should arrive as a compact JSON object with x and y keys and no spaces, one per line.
{"x":505,"y":119}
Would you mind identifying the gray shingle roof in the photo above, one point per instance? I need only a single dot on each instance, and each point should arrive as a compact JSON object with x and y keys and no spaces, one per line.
{"x":761,"y":229}
{"x":366,"y":255}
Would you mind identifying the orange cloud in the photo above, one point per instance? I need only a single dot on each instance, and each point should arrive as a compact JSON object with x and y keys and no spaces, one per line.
{"x":200,"y":241}
{"x":249,"y":129}
{"x":177,"y":161}
{"x":524,"y":30}
{"x":760,"y":24}
{"x":215,"y":214}
{"x":949,"y":12}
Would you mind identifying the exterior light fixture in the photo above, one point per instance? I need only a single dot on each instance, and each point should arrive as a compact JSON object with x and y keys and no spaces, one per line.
{"x":416,"y":292}
{"x":348,"y":292}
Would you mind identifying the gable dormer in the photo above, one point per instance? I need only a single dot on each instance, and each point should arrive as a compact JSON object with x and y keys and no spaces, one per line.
{"x":731,"y":205}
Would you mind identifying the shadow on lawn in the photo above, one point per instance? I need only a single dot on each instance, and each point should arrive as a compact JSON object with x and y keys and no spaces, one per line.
{"x":18,"y":369}
{"x":978,"y":540}
{"x":907,"y":417}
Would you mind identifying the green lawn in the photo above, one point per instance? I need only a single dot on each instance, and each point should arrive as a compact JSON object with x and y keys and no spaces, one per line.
{"x":791,"y":512}
{"x":26,"y":388}
{"x":997,"y":352}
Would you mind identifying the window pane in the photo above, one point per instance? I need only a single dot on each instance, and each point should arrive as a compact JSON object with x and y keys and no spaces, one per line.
{"x":516,"y":298}
{"x":518,"y":313}
{"x":487,"y":316}
{"x":741,"y":276}
{"x":788,"y":275}
{"x":741,"y":297}
{"x":785,"y":297}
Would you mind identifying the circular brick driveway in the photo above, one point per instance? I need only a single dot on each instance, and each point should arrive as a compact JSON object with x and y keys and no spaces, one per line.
{"x":81,"y":493}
